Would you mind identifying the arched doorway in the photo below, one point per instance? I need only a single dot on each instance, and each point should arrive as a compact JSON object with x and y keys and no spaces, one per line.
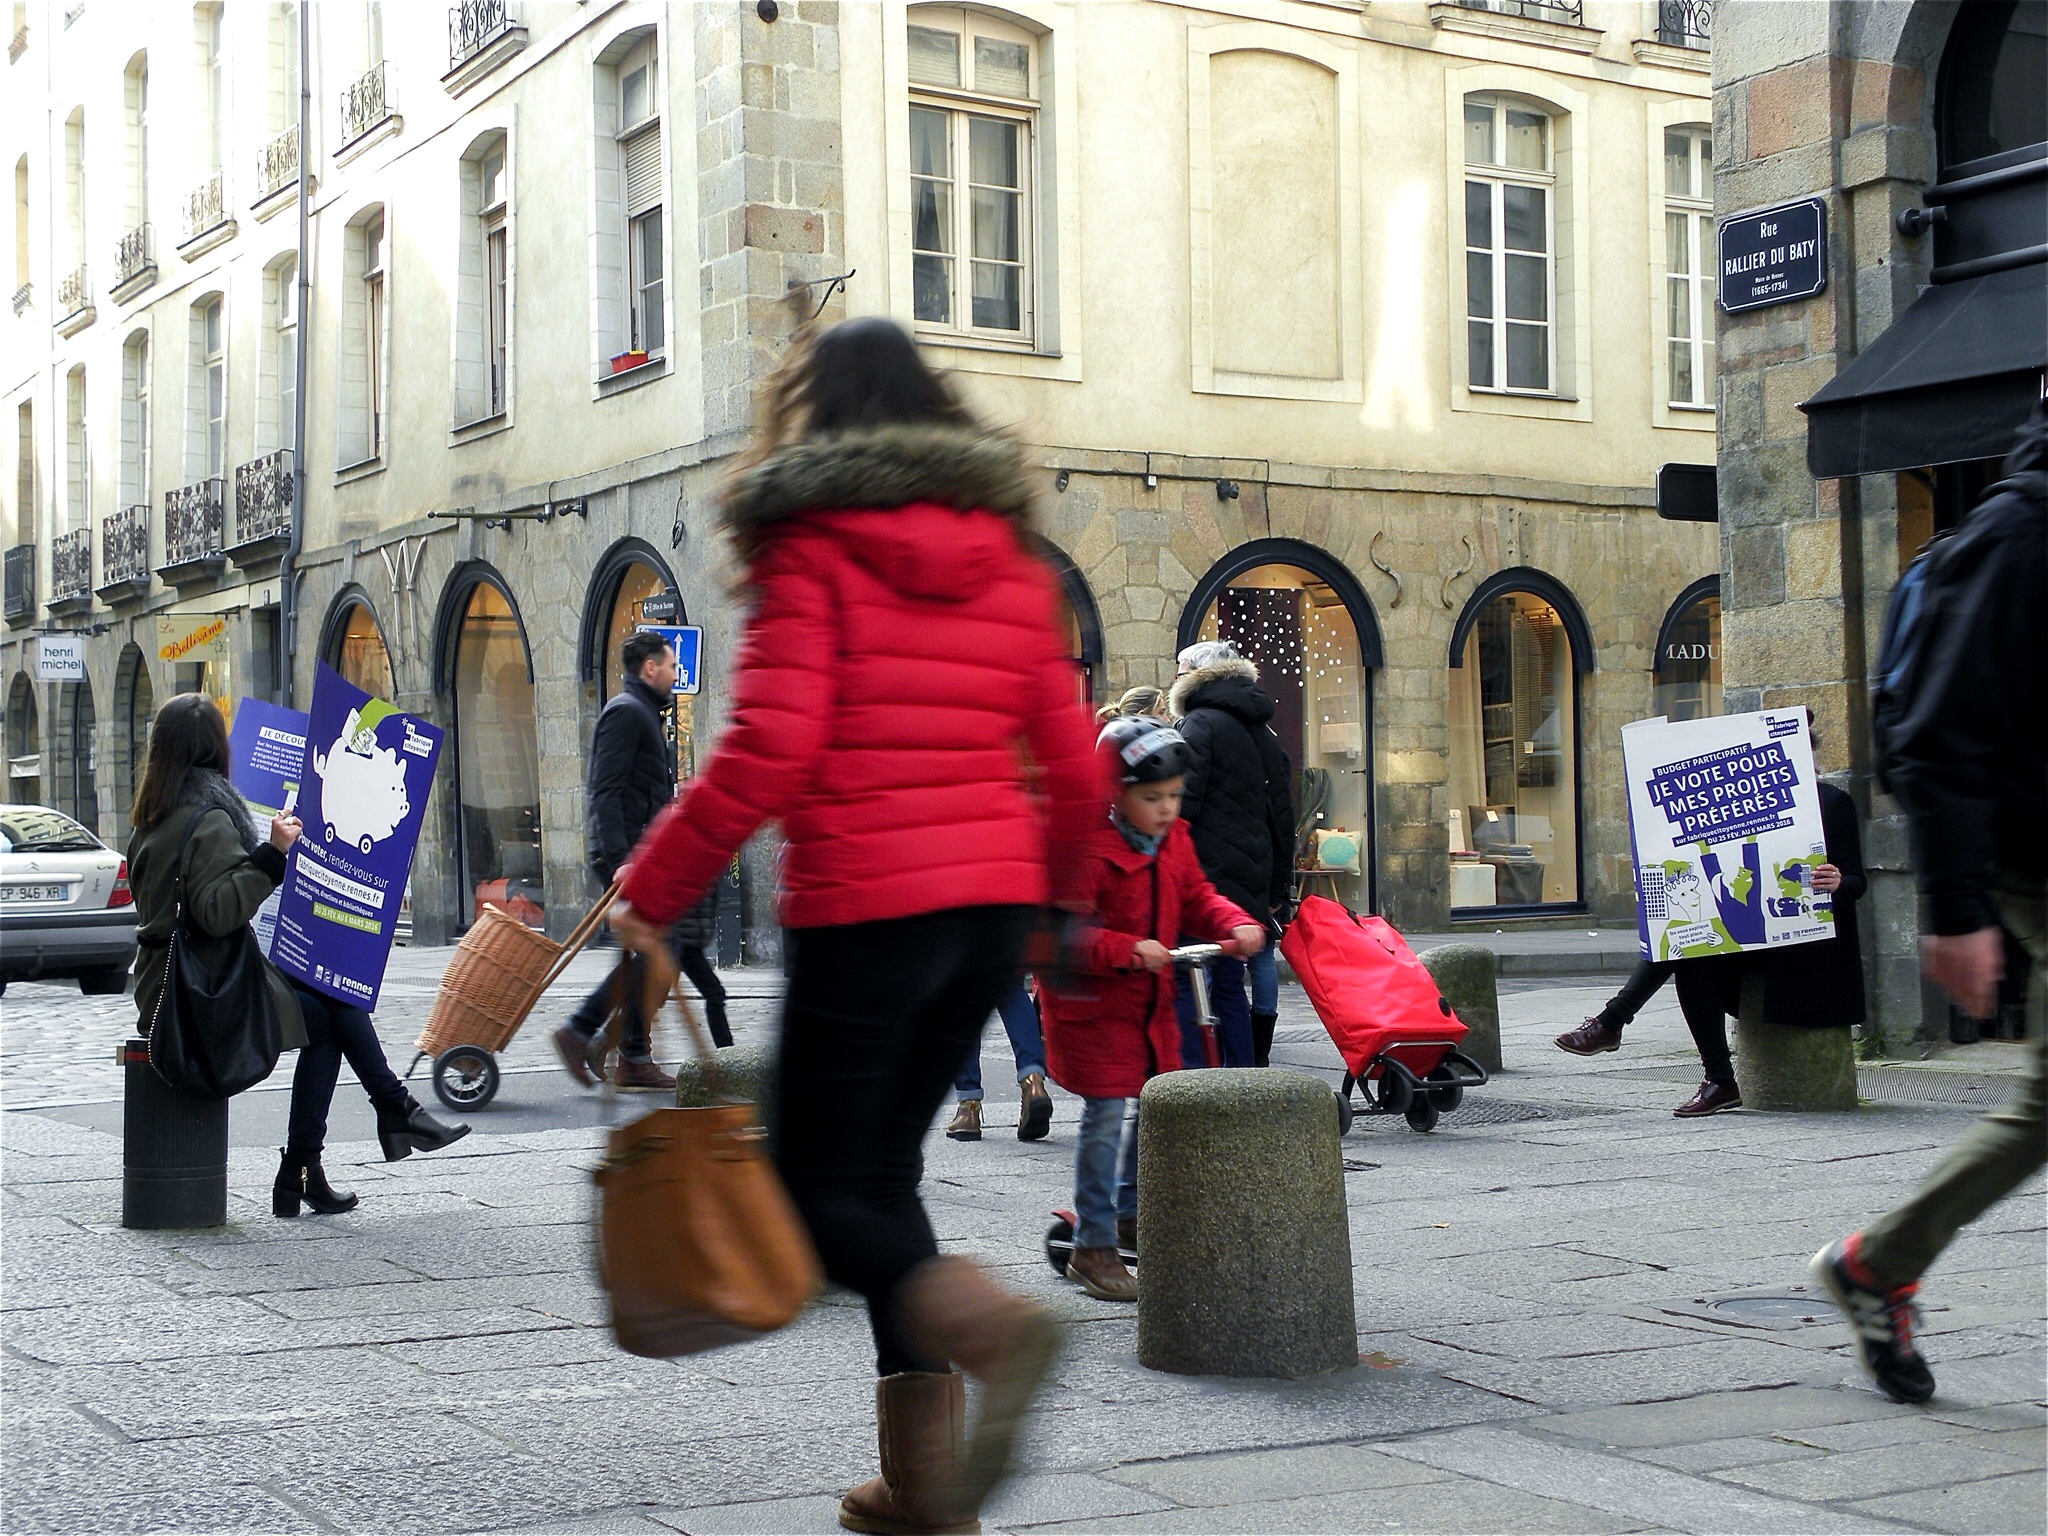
{"x":1516,"y":656}
{"x":630,"y":577}
{"x":1080,"y":619}
{"x":1688,"y":662}
{"x":354,"y":646}
{"x":74,"y":765}
{"x":134,"y":709}
{"x":1303,"y":619}
{"x":24,"y":743}
{"x":488,"y":680}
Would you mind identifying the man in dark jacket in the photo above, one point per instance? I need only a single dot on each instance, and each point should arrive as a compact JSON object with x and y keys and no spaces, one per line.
{"x":1239,"y":804}
{"x":1969,"y":762}
{"x":631,"y":776}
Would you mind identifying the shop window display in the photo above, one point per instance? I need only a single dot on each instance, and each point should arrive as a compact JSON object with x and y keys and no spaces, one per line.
{"x":76,"y":764}
{"x":361,"y":656}
{"x":1514,"y":760}
{"x":1304,"y":641}
{"x":1689,"y":663}
{"x":498,"y":760}
{"x":24,"y":743}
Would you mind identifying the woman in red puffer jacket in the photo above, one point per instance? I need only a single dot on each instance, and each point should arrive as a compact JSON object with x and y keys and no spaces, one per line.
{"x":902,"y":670}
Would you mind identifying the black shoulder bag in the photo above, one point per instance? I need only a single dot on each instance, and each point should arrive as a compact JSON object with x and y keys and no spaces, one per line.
{"x":213,"y":1035}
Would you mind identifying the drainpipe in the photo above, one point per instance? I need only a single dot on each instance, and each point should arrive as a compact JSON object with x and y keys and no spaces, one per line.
{"x":287,"y":570}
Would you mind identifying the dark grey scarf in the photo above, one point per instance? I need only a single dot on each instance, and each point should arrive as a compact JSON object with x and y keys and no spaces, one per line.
{"x":205,"y":787}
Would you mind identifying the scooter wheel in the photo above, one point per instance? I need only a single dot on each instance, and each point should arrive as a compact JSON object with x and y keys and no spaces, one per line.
{"x":1394,"y":1094}
{"x":1345,"y":1114}
{"x":1421,"y":1113}
{"x":465,"y":1078}
{"x":1444,"y":1090}
{"x":1059,"y":1246}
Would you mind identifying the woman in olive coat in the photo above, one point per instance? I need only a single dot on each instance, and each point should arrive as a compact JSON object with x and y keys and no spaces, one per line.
{"x":193,"y":829}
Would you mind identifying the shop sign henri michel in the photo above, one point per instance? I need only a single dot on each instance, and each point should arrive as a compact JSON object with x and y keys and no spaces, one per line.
{"x":1774,"y":256}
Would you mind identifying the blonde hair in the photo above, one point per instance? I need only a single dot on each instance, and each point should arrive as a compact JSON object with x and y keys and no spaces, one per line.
{"x":1142,"y":700}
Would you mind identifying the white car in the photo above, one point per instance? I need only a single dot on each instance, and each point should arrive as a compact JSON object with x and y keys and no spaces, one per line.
{"x":65,"y":906}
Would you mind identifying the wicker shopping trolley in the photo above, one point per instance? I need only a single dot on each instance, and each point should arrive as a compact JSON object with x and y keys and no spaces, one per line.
{"x":499,"y":972}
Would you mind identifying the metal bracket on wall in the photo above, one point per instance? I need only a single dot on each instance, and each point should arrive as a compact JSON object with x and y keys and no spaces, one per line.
{"x":1372,"y":553}
{"x":1471,"y":559}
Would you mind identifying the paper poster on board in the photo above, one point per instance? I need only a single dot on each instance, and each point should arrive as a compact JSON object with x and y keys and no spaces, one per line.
{"x":1724,"y":817}
{"x":368,"y":769}
{"x":266,"y":764}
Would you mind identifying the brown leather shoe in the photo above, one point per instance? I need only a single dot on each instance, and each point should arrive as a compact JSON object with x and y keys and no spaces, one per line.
{"x":966,"y":1122}
{"x":921,"y":1427}
{"x":1589,"y":1039}
{"x":574,"y":1047}
{"x":1101,"y":1273}
{"x":641,"y":1077}
{"x":1034,"y":1113}
{"x":1711,"y":1100}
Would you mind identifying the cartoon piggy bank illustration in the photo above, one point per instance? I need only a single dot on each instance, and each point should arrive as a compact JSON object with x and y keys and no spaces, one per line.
{"x":362,"y":787}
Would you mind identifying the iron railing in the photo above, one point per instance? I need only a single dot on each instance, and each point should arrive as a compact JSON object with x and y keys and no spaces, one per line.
{"x":263,"y":498}
{"x":124,"y":546}
{"x":277,"y":163}
{"x":206,"y":206}
{"x":476,"y":24}
{"x":73,"y":294}
{"x":1685,"y":23}
{"x":193,"y":515}
{"x":1570,"y":13}
{"x":19,"y":581}
{"x":24,"y":296}
{"x":71,"y":566}
{"x":364,"y":105}
{"x":135,"y":256}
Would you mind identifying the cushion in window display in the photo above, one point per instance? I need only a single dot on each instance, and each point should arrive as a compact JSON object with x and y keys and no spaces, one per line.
{"x":1337,"y":849}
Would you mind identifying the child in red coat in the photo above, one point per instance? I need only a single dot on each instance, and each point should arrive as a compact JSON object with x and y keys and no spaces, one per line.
{"x":1105,"y":1036}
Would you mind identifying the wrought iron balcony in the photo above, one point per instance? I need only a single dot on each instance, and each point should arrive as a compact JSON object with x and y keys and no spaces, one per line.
{"x":135,"y":258}
{"x":1570,"y":13}
{"x":71,"y":569}
{"x":24,"y":296}
{"x":263,"y":504}
{"x":206,"y":207}
{"x":1685,"y":23}
{"x":193,"y":516}
{"x":364,"y":105}
{"x":277,"y":164}
{"x":19,"y":565}
{"x":74,"y":294}
{"x":124,"y":554}
{"x":476,"y":24}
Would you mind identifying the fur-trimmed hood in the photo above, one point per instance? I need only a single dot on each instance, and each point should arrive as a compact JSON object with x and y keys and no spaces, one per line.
{"x":879,"y":468}
{"x":203,"y":786}
{"x":1231,"y":685}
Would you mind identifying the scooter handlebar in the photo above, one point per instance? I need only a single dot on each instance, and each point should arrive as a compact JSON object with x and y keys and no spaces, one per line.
{"x":1200,"y":954}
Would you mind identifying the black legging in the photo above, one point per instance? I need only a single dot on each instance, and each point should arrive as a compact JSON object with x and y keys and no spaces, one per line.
{"x":333,"y":1030}
{"x":877,"y":1021}
{"x":697,"y":966}
{"x":1641,"y":986}
{"x":1707,"y":994}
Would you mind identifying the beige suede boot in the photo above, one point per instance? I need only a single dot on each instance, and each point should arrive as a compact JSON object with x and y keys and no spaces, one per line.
{"x":920,"y":1424}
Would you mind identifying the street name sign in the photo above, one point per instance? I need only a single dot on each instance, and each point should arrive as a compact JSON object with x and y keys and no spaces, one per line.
{"x":1773,"y":256}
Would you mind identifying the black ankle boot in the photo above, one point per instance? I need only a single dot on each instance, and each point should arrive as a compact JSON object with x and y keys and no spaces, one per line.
{"x":1262,"y":1037}
{"x":404,"y":1128}
{"x":300,"y":1178}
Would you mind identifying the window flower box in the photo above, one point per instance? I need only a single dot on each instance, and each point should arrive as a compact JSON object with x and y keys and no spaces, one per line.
{"x":625,"y":362}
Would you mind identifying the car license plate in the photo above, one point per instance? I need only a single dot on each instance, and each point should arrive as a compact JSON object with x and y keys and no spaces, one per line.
{"x":33,"y":892}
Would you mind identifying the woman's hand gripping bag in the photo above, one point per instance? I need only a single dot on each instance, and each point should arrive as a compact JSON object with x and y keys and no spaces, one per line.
{"x":1368,"y":988}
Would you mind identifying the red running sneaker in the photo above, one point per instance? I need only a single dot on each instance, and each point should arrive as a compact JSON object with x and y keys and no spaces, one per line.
{"x":1881,"y":1319}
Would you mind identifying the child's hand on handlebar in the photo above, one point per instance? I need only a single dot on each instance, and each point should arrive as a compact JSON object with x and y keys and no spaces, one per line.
{"x":1249,"y":938}
{"x":1151,"y":954}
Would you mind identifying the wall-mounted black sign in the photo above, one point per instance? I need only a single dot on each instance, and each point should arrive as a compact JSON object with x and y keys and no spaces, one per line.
{"x":1686,"y":493}
{"x":661,"y":608}
{"x":1774,"y":256}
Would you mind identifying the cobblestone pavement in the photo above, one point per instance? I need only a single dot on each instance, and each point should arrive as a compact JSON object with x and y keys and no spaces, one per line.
{"x":1563,"y":1298}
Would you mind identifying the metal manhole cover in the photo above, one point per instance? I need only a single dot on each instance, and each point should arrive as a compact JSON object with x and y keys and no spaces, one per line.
{"x":1481,"y":1110}
{"x":1795,"y":1306}
{"x":1919,"y":1085}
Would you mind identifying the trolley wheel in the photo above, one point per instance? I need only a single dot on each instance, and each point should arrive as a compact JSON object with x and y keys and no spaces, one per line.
{"x":1445,"y":1091}
{"x":1345,"y":1114}
{"x":1059,"y":1246}
{"x":465,"y":1078}
{"x":1394,"y":1094}
{"x":1421,"y":1112}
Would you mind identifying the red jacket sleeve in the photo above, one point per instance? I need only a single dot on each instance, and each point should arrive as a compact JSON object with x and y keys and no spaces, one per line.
{"x":1061,"y":737}
{"x":782,"y":710}
{"x":1204,"y":914}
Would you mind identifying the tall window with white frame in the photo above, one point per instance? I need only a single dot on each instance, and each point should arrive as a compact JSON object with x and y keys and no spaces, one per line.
{"x":208,"y":409}
{"x":373,"y":334}
{"x":77,"y":472}
{"x":135,"y":420}
{"x":212,"y":85}
{"x":25,"y":473}
{"x":1510,"y":240}
{"x":21,"y":237}
{"x":1689,"y":266}
{"x":973,"y":130}
{"x":136,"y":89}
{"x":285,"y":354}
{"x":639,"y":136}
{"x":493,"y":193}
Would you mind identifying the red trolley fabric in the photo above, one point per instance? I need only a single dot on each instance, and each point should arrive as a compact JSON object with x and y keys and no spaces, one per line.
{"x":1372,"y":994}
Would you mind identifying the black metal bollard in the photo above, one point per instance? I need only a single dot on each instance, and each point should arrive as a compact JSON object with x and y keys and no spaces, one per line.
{"x":174,"y":1151}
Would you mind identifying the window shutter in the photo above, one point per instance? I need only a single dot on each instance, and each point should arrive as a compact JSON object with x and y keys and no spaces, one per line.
{"x":642,"y":154}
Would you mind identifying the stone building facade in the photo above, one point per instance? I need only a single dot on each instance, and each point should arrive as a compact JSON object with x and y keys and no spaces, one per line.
{"x":1355,"y":332}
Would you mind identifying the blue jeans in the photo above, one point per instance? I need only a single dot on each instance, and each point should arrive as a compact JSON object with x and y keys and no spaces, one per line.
{"x":1265,"y":979}
{"x":1105,"y":1183}
{"x":1233,"y":1015}
{"x":1020,"y":1023}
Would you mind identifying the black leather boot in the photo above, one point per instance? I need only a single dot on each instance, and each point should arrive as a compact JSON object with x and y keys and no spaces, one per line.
{"x":1262,"y":1037}
{"x":301,"y":1179}
{"x":404,"y":1128}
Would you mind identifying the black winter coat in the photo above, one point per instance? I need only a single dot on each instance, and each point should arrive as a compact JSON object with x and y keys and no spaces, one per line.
{"x":1239,"y":800}
{"x":632,"y":775}
{"x":1970,"y":756}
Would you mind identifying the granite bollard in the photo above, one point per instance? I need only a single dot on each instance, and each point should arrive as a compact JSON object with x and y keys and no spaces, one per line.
{"x":744,"y":1072}
{"x":1245,"y":1242}
{"x":1464,"y":973}
{"x":1790,"y":1066}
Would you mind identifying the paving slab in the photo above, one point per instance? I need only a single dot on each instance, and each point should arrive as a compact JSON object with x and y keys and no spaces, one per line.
{"x":1256,"y":1476}
{"x":1885,"y":1469}
{"x":1456,"y":1505}
{"x":1996,"y":1506}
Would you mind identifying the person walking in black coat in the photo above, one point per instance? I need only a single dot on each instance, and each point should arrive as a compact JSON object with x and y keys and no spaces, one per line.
{"x":1239,"y":804}
{"x":632,"y":775}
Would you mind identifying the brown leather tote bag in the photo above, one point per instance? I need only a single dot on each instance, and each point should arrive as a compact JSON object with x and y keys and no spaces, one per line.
{"x":698,"y":1243}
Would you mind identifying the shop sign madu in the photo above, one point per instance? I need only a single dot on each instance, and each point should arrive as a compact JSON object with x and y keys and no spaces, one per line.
{"x":1773,"y":256}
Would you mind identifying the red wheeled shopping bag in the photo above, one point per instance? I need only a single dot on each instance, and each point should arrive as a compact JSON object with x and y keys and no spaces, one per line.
{"x":1372,"y":994}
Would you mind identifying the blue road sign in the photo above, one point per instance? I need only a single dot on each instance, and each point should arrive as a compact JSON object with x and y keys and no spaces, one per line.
{"x":687,"y":640}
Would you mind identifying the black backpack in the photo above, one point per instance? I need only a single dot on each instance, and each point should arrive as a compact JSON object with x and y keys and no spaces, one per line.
{"x":1908,"y":619}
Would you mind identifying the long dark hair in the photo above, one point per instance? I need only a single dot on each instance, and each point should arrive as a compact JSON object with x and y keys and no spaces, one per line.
{"x":188,"y":734}
{"x":864,"y":372}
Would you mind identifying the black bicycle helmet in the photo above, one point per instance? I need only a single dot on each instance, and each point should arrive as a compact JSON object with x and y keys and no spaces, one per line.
{"x":1142,"y":750}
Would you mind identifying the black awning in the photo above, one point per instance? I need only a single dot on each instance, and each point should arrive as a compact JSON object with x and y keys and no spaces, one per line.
{"x":1952,"y":379}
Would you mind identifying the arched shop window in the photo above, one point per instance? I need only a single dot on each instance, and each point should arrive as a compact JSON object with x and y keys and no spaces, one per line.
{"x":631,"y":575}
{"x":1516,"y":654}
{"x":75,"y":764}
{"x":1991,"y":101}
{"x":489,"y":680}
{"x":134,"y":709}
{"x":627,"y":612}
{"x":1080,"y":619}
{"x":1688,"y":665}
{"x":24,"y":743}
{"x":355,"y":648}
{"x":1302,"y":618}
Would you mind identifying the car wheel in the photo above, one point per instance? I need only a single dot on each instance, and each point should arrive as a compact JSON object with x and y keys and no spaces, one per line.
{"x":103,"y":981}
